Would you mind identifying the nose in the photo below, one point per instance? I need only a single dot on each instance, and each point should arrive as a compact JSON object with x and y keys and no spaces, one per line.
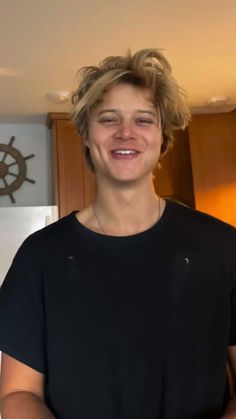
{"x":125,"y":130}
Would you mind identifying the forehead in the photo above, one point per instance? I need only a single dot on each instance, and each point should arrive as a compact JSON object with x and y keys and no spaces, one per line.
{"x":123,"y":95}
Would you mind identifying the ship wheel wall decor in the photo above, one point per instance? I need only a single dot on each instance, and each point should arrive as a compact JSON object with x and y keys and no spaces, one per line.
{"x":18,"y":177}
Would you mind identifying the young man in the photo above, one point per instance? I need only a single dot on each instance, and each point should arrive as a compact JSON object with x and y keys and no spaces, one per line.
{"x":126,"y":309}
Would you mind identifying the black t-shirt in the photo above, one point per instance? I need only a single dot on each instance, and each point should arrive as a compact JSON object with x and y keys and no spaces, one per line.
{"x":132,"y":327}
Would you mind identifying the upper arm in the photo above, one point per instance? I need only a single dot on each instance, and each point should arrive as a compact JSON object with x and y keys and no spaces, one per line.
{"x":231,"y":370}
{"x":232,"y":359}
{"x":22,"y":331}
{"x":16,"y":376}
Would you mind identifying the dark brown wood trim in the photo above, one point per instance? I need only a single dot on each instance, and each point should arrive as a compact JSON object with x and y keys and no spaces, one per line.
{"x":52,"y":116}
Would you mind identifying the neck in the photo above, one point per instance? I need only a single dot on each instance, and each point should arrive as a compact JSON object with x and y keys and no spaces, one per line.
{"x":126,"y":211}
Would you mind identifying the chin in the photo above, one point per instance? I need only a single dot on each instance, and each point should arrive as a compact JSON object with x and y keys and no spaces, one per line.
{"x":121,"y":176}
{"x":129,"y":179}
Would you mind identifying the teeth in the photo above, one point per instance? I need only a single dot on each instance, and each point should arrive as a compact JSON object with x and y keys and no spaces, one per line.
{"x":124,"y":151}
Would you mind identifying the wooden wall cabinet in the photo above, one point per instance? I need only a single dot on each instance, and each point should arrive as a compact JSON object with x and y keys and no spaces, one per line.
{"x":213,"y":154}
{"x":74,"y":184}
{"x":199,"y":171}
{"x":174,"y":178}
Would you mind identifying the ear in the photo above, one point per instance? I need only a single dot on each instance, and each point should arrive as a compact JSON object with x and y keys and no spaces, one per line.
{"x":86,"y":142}
{"x":161,"y":143}
{"x":161,"y":139}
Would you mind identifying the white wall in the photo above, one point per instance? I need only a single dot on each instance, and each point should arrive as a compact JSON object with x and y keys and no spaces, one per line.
{"x":29,"y":139}
{"x":18,"y":223}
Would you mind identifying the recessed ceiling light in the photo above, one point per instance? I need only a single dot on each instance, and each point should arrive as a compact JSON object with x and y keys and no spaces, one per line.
{"x":59,"y":96}
{"x":9,"y":72}
{"x":217,"y":100}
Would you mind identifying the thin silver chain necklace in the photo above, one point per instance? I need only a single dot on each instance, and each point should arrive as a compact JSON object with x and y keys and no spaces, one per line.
{"x":101,"y":226}
{"x":98,"y":220}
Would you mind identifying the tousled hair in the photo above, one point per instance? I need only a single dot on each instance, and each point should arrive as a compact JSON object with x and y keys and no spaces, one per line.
{"x":147,"y":68}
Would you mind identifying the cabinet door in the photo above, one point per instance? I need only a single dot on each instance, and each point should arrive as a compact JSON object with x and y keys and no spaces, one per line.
{"x":74,"y":183}
{"x":213,"y":154}
{"x":173,"y":179}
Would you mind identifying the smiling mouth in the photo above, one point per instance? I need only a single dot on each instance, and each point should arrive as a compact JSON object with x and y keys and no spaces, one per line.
{"x":125,"y":152}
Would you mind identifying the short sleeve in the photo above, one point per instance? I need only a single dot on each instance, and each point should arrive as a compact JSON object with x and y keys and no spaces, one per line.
{"x":21,"y":310}
{"x":232,"y":340}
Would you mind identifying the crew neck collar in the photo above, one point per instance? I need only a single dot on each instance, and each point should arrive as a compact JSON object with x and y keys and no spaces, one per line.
{"x":143,"y":234}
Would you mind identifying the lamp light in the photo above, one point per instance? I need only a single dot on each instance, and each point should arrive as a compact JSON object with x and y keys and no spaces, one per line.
{"x":217,"y":100}
{"x":61,"y":96}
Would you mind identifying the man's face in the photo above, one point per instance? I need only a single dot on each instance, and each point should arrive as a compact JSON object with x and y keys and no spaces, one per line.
{"x":124,"y":134}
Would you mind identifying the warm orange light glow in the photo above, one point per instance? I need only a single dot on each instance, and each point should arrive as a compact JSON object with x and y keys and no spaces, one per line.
{"x":219,"y":201}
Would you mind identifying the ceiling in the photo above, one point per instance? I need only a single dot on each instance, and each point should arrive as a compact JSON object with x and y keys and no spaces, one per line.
{"x":43,"y":44}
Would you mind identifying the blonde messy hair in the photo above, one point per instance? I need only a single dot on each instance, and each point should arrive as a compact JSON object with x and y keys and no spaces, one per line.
{"x":147,"y":68}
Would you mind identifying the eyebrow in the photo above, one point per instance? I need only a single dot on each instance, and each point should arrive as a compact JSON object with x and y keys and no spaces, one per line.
{"x":154,"y":112}
{"x":107,"y":110}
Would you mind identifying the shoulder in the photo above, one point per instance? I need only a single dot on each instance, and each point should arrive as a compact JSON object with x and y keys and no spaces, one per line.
{"x":50,"y":238}
{"x":212,"y":241}
{"x":199,"y":223}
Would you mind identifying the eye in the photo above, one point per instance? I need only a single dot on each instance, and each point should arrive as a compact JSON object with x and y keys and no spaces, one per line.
{"x":145,"y":121}
{"x":108,"y":120}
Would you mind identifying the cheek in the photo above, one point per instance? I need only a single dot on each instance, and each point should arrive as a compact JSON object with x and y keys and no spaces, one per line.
{"x":88,"y":141}
{"x":157,"y":141}
{"x":94,"y":137}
